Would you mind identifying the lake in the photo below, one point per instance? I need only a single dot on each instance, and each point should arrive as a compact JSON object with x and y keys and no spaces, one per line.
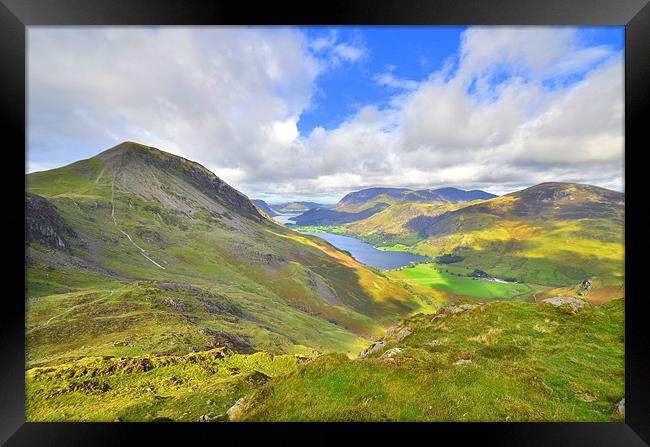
{"x":367,"y":254}
{"x":284,"y":218}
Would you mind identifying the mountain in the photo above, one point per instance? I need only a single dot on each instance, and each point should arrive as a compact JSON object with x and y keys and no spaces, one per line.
{"x":297,"y":207}
{"x":330,"y":217}
{"x":137,"y":250}
{"x":453,"y":195}
{"x":363,"y":204}
{"x":262,"y":205}
{"x":366,"y":198}
{"x":551,"y":233}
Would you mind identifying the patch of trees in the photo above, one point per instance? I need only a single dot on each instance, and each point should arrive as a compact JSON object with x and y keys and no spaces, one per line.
{"x":448,"y":259}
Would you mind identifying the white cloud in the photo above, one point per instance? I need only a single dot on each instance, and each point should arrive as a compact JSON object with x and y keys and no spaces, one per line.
{"x":498,"y":116}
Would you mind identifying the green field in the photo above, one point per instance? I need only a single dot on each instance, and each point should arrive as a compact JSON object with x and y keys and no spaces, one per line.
{"x":436,"y":277}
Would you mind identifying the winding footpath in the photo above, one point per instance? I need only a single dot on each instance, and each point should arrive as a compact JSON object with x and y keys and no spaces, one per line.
{"x":70,"y":310}
{"x":142,"y":250}
{"x":78,"y":305}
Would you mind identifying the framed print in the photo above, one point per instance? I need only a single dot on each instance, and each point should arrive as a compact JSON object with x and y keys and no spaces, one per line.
{"x":373,"y":219}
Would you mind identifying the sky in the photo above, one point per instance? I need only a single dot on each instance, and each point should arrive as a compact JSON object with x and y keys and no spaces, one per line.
{"x":311,"y":113}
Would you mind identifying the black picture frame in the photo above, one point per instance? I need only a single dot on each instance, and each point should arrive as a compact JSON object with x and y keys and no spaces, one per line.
{"x":16,"y":15}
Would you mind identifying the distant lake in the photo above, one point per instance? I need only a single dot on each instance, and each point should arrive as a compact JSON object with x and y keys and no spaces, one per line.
{"x":367,"y":254}
{"x":284,"y":218}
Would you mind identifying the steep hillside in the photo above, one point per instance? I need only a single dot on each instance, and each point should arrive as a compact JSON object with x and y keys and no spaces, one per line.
{"x":262,"y":205}
{"x":492,"y":362}
{"x":482,"y":362}
{"x":390,"y":223}
{"x":135,"y":213}
{"x":552,"y":233}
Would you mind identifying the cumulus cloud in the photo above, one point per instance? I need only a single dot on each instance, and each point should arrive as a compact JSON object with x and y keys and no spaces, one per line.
{"x":514,"y":107}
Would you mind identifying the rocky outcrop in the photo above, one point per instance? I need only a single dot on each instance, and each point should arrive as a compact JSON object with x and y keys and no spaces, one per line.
{"x":401,"y":335}
{"x":620,"y":408}
{"x":44,"y":225}
{"x":453,"y":310}
{"x":574,"y":303}
{"x":376,"y":346}
{"x":210,"y":417}
{"x":390,"y":353}
{"x":236,"y":342}
{"x":237,"y":409}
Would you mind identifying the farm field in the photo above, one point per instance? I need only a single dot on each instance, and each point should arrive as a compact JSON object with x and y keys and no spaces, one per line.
{"x":431,"y":275}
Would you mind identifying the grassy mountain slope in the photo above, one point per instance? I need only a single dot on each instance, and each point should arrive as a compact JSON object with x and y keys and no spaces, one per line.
{"x":149,"y":388}
{"x":552,"y":233}
{"x":262,"y":205}
{"x":138,"y":213}
{"x":496,"y":362}
{"x":493,"y":362}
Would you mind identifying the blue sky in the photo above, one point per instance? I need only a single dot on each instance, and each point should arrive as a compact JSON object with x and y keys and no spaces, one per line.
{"x":410,"y":53}
{"x":315,"y":112}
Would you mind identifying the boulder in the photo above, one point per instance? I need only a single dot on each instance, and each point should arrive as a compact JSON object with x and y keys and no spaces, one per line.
{"x":376,"y":346}
{"x":574,"y":303}
{"x":453,"y":310}
{"x":237,"y":409}
{"x":401,"y":335}
{"x":390,"y":353}
{"x":620,"y":407}
{"x":210,"y":417}
{"x":462,"y":362}
{"x":391,"y":330}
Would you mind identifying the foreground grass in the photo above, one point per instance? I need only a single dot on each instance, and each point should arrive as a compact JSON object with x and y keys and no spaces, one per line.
{"x":528,"y":363}
{"x":177,"y":388}
{"x":520,"y":362}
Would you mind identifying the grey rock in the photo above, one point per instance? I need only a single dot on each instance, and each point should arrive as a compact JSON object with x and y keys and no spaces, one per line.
{"x":210,"y":417}
{"x":391,"y":330}
{"x":575,"y":304}
{"x":435,"y":343}
{"x":390,"y":353}
{"x":453,"y":310}
{"x":620,"y":407}
{"x":376,"y":346}
{"x":462,"y":362}
{"x":401,"y":335}
{"x":236,"y":410}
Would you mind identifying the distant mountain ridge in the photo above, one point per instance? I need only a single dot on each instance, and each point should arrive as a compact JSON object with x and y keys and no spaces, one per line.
{"x":359,"y":205}
{"x":554,"y":233}
{"x":297,"y":207}
{"x":262,"y":205}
